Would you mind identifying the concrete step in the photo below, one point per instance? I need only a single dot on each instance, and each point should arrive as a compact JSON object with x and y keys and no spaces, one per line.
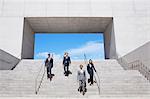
{"x":114,"y":80}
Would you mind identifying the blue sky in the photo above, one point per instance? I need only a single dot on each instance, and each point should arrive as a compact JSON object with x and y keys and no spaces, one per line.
{"x":76,"y":44}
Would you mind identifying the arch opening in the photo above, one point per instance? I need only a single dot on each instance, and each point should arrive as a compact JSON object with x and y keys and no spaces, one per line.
{"x":86,"y":25}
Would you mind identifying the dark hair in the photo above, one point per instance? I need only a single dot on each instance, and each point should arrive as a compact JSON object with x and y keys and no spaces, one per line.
{"x":90,"y":60}
{"x":49,"y":54}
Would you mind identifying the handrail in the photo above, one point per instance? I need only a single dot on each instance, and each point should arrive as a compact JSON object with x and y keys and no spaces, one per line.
{"x":144,"y":70}
{"x":136,"y":65}
{"x":139,"y":60}
{"x":133,"y":62}
{"x":37,"y":87}
{"x":98,"y":85}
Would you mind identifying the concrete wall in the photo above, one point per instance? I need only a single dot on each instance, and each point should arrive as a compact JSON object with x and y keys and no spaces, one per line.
{"x":7,"y":61}
{"x":131,"y":33}
{"x":11,"y":32}
{"x":142,"y":53}
{"x":28,"y":41}
{"x":110,"y":46}
{"x":131,"y":19}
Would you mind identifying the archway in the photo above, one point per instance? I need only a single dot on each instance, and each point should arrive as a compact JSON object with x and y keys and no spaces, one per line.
{"x":68,"y":25}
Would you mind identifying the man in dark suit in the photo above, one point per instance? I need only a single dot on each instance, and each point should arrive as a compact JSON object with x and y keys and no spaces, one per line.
{"x":49,"y":65}
{"x":66,"y":63}
{"x":91,"y":69}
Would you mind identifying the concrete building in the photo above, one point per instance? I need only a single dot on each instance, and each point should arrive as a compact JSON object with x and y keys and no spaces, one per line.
{"x":125,"y":23}
{"x":126,"y":28}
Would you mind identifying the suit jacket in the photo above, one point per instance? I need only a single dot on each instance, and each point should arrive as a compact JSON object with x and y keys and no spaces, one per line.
{"x":91,"y":69}
{"x":81,"y":76}
{"x":66,"y":61}
{"x":49,"y":63}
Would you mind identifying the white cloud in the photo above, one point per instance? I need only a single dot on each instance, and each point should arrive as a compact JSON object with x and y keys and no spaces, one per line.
{"x":44,"y":55}
{"x":93,"y":49}
{"x":57,"y":56}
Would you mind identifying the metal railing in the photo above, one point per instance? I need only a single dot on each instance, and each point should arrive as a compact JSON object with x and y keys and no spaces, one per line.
{"x":141,"y":67}
{"x":39,"y":78}
{"x":135,"y":65}
{"x":97,"y":81}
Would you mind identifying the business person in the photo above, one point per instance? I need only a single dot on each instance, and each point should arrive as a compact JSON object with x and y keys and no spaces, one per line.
{"x":66,"y":63}
{"x":91,"y":69}
{"x":81,"y":77}
{"x":49,"y":65}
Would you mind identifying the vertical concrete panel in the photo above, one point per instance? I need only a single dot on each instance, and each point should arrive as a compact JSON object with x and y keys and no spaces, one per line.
{"x":7,"y":61}
{"x":148,"y":28}
{"x":13,"y":8}
{"x":102,"y":6}
{"x":1,"y":6}
{"x":35,"y":8}
{"x":130,"y":32}
{"x":122,"y":7}
{"x":79,"y":8}
{"x":28,"y":41}
{"x":107,"y":37}
{"x":56,"y":7}
{"x":113,"y":53}
{"x":11,"y":31}
{"x":141,"y":7}
{"x":110,"y":46}
{"x":141,"y":53}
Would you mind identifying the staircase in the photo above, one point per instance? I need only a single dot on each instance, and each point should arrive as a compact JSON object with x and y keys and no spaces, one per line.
{"x":114,"y":81}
